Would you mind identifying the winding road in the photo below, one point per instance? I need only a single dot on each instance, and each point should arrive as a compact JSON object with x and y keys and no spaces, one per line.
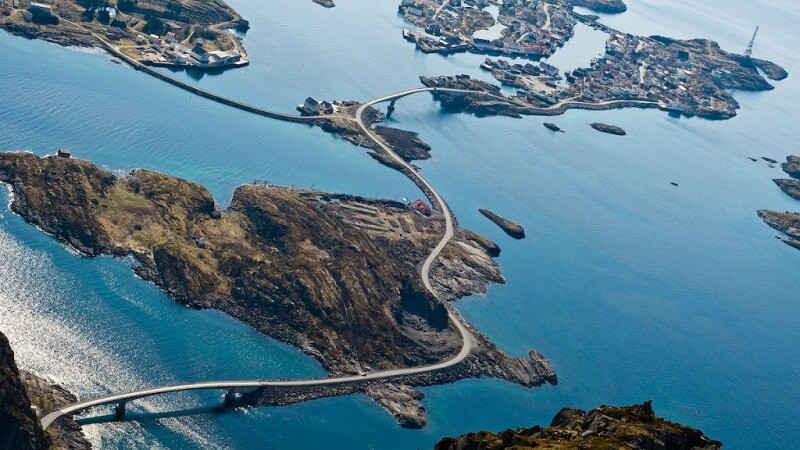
{"x":248,"y":385}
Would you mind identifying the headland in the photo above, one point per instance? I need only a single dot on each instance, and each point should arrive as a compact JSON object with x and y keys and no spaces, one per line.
{"x":334,"y":275}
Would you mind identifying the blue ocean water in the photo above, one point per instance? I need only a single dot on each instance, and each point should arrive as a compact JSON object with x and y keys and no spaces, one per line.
{"x":635,"y":289}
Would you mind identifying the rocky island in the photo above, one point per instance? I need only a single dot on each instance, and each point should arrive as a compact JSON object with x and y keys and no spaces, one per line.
{"x":335,"y":275}
{"x":553,"y":127}
{"x":512,"y":229}
{"x":608,"y":129}
{"x":21,"y":395}
{"x":606,"y":427}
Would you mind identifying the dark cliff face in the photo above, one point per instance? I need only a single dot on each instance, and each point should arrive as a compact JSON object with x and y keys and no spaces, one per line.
{"x":19,"y":427}
{"x":606,"y":427}
{"x":30,"y":179}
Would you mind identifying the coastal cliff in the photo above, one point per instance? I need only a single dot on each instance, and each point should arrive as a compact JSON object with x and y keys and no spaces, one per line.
{"x":606,"y":427}
{"x":21,"y":395}
{"x":335,"y":275}
{"x":19,"y":426}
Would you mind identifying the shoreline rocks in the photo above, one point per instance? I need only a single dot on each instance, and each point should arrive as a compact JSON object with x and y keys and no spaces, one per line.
{"x":631,"y":427}
{"x":608,"y":129}
{"x":19,"y":425}
{"x":512,"y":229}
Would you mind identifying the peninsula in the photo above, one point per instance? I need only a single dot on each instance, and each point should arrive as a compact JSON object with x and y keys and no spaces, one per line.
{"x":335,"y":275}
{"x":606,"y":427}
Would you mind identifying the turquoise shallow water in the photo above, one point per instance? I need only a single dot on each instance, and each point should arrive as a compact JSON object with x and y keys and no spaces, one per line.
{"x":634,"y":289}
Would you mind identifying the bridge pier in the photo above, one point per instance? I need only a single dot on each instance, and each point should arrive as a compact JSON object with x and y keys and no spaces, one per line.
{"x":390,"y":108}
{"x":230,"y":398}
{"x":119,"y":410}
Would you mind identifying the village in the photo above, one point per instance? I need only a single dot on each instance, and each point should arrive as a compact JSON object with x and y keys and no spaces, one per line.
{"x":530,"y":28}
{"x":187,"y":34}
{"x":682,"y":77}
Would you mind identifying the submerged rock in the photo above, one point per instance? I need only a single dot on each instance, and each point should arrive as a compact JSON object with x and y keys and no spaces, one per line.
{"x":606,"y":427}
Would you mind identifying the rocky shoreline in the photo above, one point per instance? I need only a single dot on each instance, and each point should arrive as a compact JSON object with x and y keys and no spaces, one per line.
{"x":786,"y":222}
{"x":22,"y":395}
{"x":606,"y":427}
{"x":332,"y":274}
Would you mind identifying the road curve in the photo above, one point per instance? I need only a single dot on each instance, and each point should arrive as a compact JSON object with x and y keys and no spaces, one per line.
{"x":467,"y":339}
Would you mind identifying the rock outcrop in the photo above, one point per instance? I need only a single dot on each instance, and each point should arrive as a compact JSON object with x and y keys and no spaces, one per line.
{"x":19,"y":426}
{"x":602,"y":6}
{"x":335,"y":275}
{"x":608,"y":129}
{"x":512,"y":229}
{"x":606,"y":427}
{"x":64,"y":433}
{"x":406,"y":144}
{"x":789,"y":187}
{"x":773,"y":71}
{"x":786,"y":222}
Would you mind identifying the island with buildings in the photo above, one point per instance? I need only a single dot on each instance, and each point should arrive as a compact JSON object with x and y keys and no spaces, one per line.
{"x":170,"y":33}
{"x":692,"y":78}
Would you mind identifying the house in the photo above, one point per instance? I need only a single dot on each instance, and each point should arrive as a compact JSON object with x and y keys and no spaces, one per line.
{"x":219,"y":58}
{"x":43,"y":7}
{"x":326,"y":107}
{"x":199,"y":53}
{"x":310,"y":106}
